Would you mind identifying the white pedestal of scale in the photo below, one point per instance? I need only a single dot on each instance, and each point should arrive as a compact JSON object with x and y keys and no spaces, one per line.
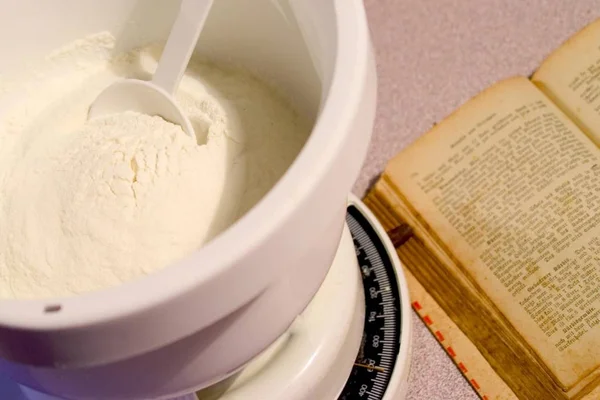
{"x":352,"y":341}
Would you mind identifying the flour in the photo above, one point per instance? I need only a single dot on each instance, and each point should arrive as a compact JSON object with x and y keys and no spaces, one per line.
{"x":86,"y":205}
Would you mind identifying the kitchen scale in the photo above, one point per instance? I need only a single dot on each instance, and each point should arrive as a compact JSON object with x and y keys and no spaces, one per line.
{"x":353,"y":341}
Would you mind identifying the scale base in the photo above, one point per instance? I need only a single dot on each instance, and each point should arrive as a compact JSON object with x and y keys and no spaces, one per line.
{"x":316,"y":356}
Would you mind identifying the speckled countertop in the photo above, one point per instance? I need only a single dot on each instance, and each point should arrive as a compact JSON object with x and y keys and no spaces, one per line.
{"x":432,"y":56}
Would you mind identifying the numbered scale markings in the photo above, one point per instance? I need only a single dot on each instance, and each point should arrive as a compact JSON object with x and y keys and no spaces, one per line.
{"x":380,"y":345}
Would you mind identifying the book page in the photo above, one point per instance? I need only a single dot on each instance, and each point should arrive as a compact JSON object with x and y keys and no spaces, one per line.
{"x":511,"y":187}
{"x":570,"y":76}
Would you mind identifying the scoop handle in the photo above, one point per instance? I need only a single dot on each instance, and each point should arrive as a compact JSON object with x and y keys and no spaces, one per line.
{"x":181,"y":43}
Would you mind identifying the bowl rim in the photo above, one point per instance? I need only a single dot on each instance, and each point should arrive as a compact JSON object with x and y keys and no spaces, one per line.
{"x":127,"y":299}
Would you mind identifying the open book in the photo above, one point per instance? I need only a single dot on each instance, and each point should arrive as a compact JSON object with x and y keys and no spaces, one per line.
{"x":496,"y":213}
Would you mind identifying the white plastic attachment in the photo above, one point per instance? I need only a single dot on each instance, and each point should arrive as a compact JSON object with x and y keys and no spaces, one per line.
{"x":156,"y":97}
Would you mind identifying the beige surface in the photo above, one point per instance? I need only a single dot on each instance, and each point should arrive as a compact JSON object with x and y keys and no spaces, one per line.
{"x":432,"y":56}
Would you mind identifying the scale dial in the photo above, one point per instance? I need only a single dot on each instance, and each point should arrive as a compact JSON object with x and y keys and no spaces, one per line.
{"x":383,"y":337}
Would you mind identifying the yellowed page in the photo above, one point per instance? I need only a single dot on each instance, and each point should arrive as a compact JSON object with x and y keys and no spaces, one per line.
{"x":570,"y":76}
{"x":512,"y":188}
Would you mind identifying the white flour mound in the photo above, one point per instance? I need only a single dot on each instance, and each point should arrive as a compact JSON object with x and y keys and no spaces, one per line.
{"x":86,"y":205}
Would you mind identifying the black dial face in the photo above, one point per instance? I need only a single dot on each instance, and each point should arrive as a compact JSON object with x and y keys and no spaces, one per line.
{"x":376,"y":359}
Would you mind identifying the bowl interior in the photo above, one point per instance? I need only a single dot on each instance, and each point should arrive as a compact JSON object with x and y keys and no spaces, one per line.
{"x":293,"y":44}
{"x":282,"y":41}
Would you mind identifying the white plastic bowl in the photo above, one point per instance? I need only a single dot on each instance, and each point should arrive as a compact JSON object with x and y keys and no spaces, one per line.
{"x":200,"y":320}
